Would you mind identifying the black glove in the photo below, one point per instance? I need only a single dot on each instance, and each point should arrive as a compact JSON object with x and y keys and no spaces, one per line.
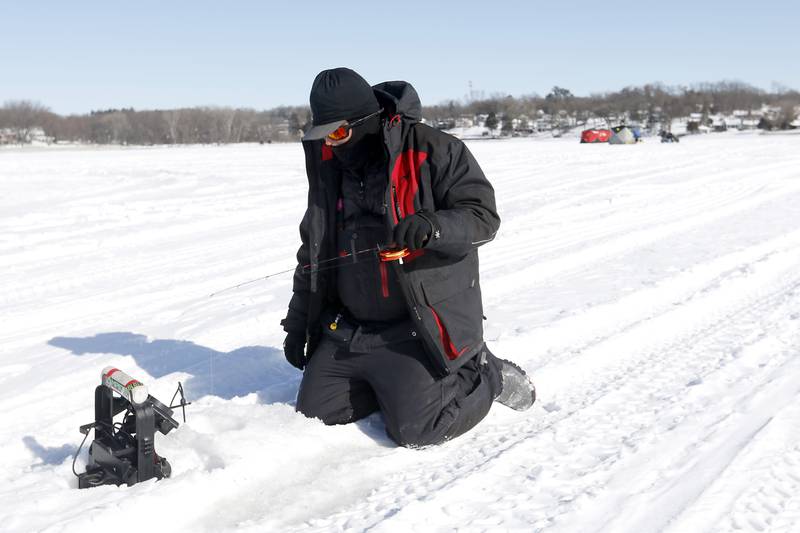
{"x":294,"y":348}
{"x":414,"y":232}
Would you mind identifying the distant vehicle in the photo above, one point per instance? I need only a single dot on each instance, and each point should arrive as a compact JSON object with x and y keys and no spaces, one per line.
{"x":668,"y":137}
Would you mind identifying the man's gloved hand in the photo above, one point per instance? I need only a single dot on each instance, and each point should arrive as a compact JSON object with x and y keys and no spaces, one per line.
{"x":414,"y":232}
{"x":294,"y":348}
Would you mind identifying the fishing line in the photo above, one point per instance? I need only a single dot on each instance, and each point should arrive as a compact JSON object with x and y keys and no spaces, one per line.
{"x":381,"y":253}
{"x":306,"y":269}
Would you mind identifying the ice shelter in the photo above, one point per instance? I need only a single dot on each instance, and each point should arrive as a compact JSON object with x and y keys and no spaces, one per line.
{"x":595,"y":136}
{"x":622,"y":135}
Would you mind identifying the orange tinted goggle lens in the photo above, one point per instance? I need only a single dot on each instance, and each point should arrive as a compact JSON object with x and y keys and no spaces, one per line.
{"x":339,"y":133}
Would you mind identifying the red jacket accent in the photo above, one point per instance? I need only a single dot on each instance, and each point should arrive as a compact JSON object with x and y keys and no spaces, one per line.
{"x":447,"y":343}
{"x":405,"y":182}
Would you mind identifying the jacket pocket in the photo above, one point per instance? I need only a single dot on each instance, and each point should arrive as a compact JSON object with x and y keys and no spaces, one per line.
{"x":444,"y":282}
{"x":456,"y":312}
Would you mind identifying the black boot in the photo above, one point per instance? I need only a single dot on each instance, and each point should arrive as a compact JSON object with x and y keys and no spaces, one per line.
{"x":517,"y":390}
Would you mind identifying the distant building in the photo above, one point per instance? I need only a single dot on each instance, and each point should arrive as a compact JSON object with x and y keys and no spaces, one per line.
{"x":34,"y":135}
{"x":37,"y":135}
{"x":770,"y":112}
{"x":282,"y":127}
{"x":465,"y":121}
{"x":8,"y":136}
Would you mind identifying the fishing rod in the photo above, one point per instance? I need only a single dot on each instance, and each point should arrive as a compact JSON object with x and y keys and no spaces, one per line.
{"x":383,"y":254}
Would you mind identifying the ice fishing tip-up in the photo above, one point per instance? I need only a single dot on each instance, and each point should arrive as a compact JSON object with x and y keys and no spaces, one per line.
{"x":124,"y":452}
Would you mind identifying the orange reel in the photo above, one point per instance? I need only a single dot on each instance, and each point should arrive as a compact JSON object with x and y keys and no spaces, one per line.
{"x":393,"y":255}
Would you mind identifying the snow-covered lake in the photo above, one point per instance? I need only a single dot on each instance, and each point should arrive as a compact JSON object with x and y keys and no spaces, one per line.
{"x":652,"y":291}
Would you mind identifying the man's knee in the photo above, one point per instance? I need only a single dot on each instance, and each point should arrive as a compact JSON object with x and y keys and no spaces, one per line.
{"x":334,"y":402}
{"x":411,"y":437}
{"x":464,"y":408}
{"x":311,"y":407}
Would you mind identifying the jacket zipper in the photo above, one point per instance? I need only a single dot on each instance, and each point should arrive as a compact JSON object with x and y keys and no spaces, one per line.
{"x":440,"y":367}
{"x":396,"y":203}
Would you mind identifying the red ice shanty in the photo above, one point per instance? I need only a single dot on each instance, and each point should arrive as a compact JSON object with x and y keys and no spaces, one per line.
{"x":595,"y":136}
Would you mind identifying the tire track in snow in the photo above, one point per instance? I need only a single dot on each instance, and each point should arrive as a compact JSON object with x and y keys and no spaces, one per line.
{"x":606,"y":221}
{"x":760,"y":489}
{"x":566,"y":338}
{"x":727,"y":185}
{"x":497,"y":286}
{"x":607,"y":423}
{"x":610,"y":220}
{"x":702,"y":446}
{"x":567,"y":188}
{"x":774,"y":495}
{"x":662,"y":368}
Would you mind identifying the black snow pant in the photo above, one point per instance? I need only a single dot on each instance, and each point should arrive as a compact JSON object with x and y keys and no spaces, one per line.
{"x":355,"y":372}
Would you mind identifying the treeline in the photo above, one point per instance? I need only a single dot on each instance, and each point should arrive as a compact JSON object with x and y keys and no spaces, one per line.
{"x":21,"y":119}
{"x":647,"y":105}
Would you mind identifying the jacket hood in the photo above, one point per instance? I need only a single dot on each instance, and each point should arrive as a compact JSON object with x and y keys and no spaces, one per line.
{"x":399,"y":98}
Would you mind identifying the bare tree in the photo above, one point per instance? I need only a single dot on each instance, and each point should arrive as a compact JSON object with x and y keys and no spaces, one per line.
{"x":172,"y":118}
{"x":508,"y":124}
{"x":22,"y":116}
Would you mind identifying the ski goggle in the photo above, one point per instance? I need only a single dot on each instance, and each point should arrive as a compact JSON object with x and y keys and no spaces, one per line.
{"x":342,"y":131}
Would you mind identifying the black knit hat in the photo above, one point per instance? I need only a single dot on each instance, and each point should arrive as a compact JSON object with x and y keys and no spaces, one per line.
{"x":338,"y":95}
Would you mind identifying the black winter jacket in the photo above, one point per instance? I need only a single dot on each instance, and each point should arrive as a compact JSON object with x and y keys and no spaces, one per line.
{"x":429,"y":171}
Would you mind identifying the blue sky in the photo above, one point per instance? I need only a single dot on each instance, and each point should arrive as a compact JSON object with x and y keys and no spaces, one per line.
{"x":78,"y":56}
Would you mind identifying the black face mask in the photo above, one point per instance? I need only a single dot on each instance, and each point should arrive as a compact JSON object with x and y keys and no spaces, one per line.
{"x":365,"y":145}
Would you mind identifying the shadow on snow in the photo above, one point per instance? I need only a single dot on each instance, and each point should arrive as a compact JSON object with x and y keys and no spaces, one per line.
{"x":240,"y":372}
{"x":258,"y":369}
{"x":49,"y":456}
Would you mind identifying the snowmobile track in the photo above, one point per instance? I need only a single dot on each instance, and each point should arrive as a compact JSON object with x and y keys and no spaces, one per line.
{"x":650,"y":291}
{"x":600,"y":408}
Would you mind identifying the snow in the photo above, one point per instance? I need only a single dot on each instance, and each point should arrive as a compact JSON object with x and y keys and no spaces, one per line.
{"x":472,"y":132}
{"x":652,"y":291}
